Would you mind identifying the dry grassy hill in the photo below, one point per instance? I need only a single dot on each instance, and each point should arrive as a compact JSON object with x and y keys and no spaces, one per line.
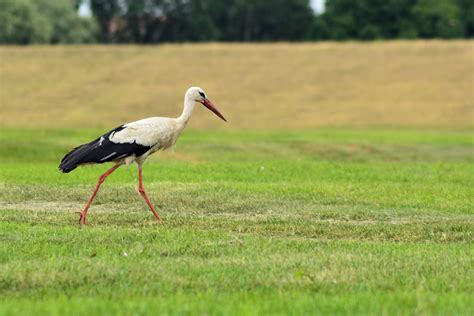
{"x":424,"y":83}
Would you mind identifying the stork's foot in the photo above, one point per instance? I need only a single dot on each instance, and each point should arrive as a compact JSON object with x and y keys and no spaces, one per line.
{"x":82,"y":218}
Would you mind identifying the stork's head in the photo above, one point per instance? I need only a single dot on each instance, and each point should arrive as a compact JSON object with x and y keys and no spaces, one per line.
{"x":197,"y":94}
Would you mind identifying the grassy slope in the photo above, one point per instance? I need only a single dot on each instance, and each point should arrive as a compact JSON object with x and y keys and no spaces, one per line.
{"x":361,"y":221}
{"x":415,"y":83}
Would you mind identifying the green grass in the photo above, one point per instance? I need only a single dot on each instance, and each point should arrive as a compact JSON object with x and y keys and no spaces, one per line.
{"x":329,"y":221}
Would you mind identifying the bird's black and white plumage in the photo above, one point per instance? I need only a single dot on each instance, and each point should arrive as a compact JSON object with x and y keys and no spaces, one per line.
{"x":134,"y":142}
{"x":100,"y":150}
{"x":130,"y":142}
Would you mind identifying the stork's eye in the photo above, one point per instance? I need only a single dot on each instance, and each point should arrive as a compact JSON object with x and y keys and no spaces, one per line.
{"x":202,"y":94}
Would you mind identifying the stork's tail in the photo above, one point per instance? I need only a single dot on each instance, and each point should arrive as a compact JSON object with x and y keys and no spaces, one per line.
{"x":74,"y":158}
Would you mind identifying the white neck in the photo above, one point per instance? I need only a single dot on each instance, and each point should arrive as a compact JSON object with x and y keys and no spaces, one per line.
{"x":187,"y":110}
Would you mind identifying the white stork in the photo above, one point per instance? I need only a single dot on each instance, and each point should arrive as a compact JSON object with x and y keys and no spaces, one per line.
{"x":134,"y":142}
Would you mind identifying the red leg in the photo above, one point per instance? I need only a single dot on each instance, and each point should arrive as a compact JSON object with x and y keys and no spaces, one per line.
{"x":82,"y":219}
{"x":141,"y":189}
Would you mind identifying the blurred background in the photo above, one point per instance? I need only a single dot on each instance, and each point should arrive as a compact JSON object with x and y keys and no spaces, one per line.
{"x":364,"y":63}
{"x":158,"y":21}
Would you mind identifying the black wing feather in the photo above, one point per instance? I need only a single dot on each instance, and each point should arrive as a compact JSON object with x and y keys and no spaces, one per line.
{"x":101,"y":150}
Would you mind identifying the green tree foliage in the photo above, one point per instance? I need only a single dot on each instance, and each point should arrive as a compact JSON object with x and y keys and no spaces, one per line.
{"x":20,"y":23}
{"x":104,"y":12}
{"x":67,"y":26}
{"x":262,"y":20}
{"x":43,"y":21}
{"x":151,"y":21}
{"x":438,"y":19}
{"x":467,"y":16}
{"x":389,"y":19}
{"x":155,"y":21}
{"x":148,"y":21}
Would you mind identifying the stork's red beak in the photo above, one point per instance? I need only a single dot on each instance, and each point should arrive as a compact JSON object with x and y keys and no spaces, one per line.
{"x":208,"y":104}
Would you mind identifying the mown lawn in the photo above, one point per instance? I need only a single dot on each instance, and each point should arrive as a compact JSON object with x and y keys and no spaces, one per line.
{"x":359,"y":221}
{"x":267,"y":86}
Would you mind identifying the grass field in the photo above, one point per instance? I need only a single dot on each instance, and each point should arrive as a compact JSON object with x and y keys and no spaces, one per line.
{"x":357,"y":208}
{"x":267,"y":86}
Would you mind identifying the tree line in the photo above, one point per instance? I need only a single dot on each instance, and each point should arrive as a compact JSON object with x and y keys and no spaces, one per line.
{"x":157,"y":21}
